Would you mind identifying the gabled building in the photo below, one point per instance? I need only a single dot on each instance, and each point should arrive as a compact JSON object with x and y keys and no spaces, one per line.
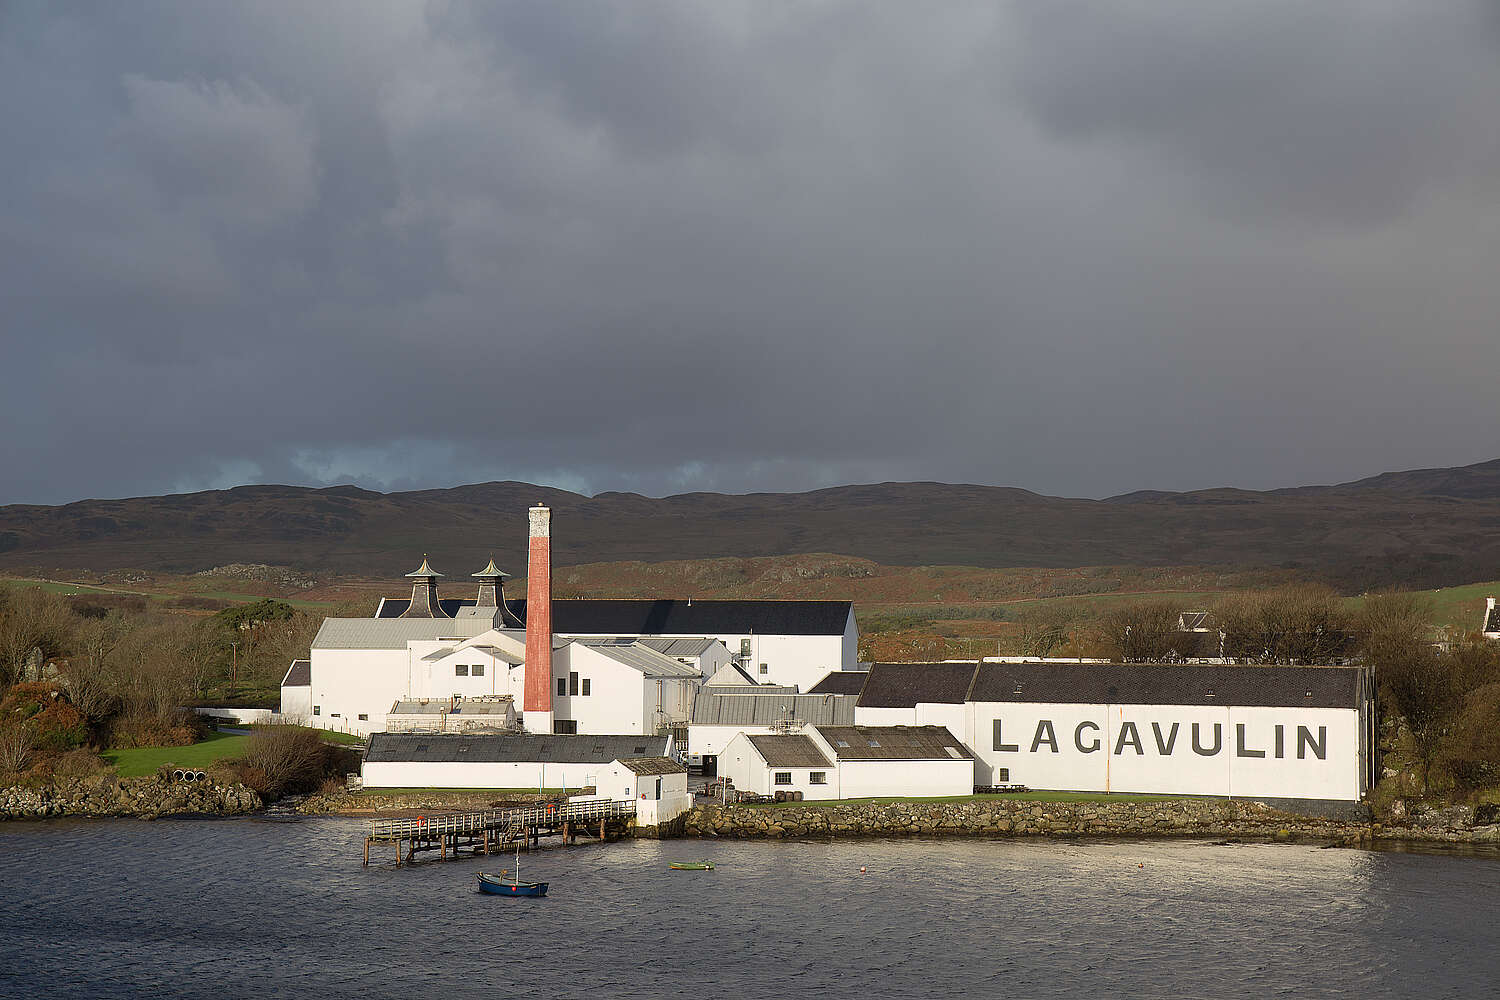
{"x":1490,"y":628}
{"x":718,"y":718}
{"x":851,"y":762}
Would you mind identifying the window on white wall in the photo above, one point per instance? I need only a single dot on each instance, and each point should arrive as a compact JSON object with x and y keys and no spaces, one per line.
{"x":572,"y":682}
{"x":460,"y":670}
{"x":817,"y":777}
{"x":363,"y":717}
{"x":764,"y":669}
{"x":477,"y":670}
{"x":783,"y":778}
{"x":562,"y":687}
{"x":586,"y":686}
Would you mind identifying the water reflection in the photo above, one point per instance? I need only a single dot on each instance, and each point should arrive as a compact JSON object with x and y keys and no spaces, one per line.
{"x":187,"y":908}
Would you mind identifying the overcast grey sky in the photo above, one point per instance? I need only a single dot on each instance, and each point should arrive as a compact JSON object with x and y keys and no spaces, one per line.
{"x":1083,"y":248}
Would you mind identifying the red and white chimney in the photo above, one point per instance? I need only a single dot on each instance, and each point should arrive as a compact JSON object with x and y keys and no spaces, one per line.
{"x":537,"y":704}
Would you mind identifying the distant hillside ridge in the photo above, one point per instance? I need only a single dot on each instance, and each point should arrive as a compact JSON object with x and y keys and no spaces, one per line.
{"x":1424,"y":528}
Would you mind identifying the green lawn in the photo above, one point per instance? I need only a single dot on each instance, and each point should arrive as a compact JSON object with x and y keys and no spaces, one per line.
{"x":1010,"y":796}
{"x":142,"y":761}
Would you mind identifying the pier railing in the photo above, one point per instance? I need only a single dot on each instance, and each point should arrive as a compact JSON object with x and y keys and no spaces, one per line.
{"x":422,"y":827}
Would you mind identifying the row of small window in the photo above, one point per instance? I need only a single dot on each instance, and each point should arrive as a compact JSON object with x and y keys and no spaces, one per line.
{"x":466,"y":670}
{"x":318,"y":710}
{"x":813,"y":778}
{"x":573,"y":684}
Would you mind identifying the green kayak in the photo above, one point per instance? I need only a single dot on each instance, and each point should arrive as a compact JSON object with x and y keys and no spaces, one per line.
{"x":692,"y":866}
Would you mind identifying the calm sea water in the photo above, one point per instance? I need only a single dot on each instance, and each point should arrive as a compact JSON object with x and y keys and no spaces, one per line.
{"x":271,"y":908}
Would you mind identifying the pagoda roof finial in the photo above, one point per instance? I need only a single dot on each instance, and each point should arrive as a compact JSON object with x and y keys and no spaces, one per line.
{"x":492,"y":571}
{"x":425,"y":570}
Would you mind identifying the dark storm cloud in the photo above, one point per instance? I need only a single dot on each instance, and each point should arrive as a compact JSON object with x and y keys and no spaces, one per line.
{"x":663,"y":247}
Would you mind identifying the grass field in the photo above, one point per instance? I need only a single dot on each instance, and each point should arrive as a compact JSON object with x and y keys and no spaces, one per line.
{"x":142,"y":761}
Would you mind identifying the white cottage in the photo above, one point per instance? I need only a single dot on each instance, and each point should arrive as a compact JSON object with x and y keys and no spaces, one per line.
{"x":657,"y":785}
{"x":508,"y":760}
{"x":851,"y":762}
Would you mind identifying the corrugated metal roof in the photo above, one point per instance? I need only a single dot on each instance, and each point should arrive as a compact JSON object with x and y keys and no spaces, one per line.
{"x":639,"y":657}
{"x":789,"y":751}
{"x":679,"y":647}
{"x":894,"y":743}
{"x":393,"y":633}
{"x":512,"y":748}
{"x":768,"y":709}
{"x":655,"y":765}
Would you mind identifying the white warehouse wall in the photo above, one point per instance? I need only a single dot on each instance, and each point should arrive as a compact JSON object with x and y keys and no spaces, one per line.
{"x":1169,"y":749}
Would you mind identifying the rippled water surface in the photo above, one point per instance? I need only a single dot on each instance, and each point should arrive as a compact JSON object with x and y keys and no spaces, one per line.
{"x":283,"y":908}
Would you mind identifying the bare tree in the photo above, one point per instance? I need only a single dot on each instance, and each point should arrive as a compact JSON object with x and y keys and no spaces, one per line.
{"x":33,"y":624}
{"x":1139,"y":633}
{"x":1045,"y":628}
{"x":1297,"y":623}
{"x":17,"y":744}
{"x":1412,"y":677}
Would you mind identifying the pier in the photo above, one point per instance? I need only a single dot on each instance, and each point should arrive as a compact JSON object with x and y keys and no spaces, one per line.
{"x":474,"y":833}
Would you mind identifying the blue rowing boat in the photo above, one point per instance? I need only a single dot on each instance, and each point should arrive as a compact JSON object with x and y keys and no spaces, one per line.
{"x":498,"y":886}
{"x":506,"y":884}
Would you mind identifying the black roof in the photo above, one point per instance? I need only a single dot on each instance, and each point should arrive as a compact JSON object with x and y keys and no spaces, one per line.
{"x":894,"y":743}
{"x":299,"y":674}
{"x":395,"y":607}
{"x":902,"y":685}
{"x":789,"y":751}
{"x":1492,"y":620}
{"x":1167,"y":684}
{"x":841,"y":682}
{"x":512,"y":747}
{"x":634,"y":617}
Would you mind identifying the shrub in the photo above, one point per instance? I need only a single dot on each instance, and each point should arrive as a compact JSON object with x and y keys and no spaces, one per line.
{"x":281,"y":760}
{"x":181,"y":729}
{"x":79,"y":764}
{"x":57,"y":725}
{"x":17,"y":745}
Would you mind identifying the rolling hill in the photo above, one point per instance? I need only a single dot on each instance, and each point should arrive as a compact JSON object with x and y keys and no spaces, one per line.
{"x":1422,"y":528}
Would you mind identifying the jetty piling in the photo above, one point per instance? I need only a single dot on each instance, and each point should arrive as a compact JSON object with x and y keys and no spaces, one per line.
{"x":453,"y":834}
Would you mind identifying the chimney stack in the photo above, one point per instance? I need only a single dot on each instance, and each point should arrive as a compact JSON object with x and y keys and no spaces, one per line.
{"x":538,"y":702}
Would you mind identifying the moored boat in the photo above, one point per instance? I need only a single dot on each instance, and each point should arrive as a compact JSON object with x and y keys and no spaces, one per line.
{"x":497,"y":885}
{"x":692,"y":866}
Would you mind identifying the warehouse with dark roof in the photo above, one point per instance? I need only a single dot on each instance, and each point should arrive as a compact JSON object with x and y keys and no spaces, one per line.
{"x":1271,"y":732}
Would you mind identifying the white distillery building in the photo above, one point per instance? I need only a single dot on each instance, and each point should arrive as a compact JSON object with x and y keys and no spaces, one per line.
{"x":776,"y":642}
{"x":366,"y":673}
{"x":501,"y":760}
{"x":585,"y":667}
{"x":1268,"y":732}
{"x":852,"y":762}
{"x":722,"y":713}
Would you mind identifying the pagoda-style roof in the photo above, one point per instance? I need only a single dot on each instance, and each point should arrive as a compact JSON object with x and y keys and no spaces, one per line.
{"x":492,"y":571}
{"x":425,"y":570}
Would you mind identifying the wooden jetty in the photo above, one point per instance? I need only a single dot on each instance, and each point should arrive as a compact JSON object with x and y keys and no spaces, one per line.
{"x":493,"y":830}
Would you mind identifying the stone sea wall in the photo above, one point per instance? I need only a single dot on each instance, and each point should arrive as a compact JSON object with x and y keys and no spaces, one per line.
{"x":1019,"y":818}
{"x":144,"y":798}
{"x":372,"y":802}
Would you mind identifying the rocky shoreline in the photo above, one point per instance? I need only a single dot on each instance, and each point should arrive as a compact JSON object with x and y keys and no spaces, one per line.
{"x":373,"y":803}
{"x":142,"y":798}
{"x":1123,"y":819}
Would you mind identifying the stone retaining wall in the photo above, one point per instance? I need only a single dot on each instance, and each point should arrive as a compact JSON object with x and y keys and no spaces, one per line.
{"x":145,"y":798}
{"x":375,"y":802}
{"x":1003,"y":818}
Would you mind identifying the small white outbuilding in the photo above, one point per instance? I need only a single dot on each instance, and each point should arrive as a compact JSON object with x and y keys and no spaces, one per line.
{"x":851,"y":762}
